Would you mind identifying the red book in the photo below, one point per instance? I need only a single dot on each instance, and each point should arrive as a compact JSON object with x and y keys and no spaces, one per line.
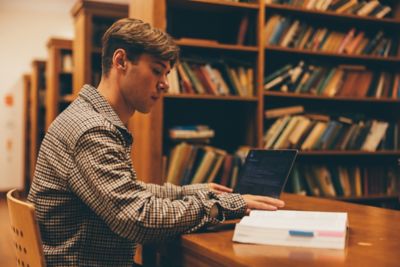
{"x":227,"y":167}
{"x":243,"y":26}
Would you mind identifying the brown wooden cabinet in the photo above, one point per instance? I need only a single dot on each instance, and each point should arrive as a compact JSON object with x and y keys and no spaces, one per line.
{"x":91,"y":20}
{"x":59,"y":78}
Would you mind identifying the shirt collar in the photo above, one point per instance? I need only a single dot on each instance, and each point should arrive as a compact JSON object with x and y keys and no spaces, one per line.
{"x":101,"y":105}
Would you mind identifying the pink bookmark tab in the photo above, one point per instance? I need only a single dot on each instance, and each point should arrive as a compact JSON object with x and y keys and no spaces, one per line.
{"x":330,"y":233}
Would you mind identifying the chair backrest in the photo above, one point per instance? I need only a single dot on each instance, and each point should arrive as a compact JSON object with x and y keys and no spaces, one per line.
{"x":26,"y":235}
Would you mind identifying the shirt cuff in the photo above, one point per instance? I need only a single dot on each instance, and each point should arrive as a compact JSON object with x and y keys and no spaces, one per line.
{"x":229,"y":205}
{"x":232,"y":205}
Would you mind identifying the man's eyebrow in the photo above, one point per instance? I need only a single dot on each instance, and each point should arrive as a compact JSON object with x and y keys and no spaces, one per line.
{"x":161,"y":63}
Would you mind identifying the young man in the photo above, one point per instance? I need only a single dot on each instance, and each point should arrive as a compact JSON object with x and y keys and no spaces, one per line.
{"x":91,"y":208}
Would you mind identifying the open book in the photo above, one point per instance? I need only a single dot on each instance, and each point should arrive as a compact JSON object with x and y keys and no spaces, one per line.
{"x":293,"y":228}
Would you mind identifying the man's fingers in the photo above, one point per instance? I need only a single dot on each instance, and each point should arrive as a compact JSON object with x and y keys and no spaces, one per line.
{"x":260,"y":206}
{"x":220,"y":188}
{"x":223,"y":188}
{"x":262,"y":202}
{"x":269,"y":200}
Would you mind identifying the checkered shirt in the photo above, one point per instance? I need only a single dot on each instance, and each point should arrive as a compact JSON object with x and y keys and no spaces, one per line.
{"x":91,"y":209}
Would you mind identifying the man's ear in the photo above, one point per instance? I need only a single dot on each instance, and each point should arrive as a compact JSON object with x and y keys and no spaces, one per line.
{"x":119,"y":59}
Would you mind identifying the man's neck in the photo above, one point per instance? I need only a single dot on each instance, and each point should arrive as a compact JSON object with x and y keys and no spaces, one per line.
{"x":113,"y":96}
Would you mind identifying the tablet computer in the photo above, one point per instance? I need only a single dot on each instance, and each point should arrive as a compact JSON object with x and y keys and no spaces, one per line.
{"x":265,"y":172}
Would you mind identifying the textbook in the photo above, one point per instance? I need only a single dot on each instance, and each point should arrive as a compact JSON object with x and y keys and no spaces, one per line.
{"x":293,"y":228}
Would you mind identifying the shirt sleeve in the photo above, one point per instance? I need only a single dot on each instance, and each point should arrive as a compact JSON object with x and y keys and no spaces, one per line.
{"x":172,"y":191}
{"x":104,"y":179}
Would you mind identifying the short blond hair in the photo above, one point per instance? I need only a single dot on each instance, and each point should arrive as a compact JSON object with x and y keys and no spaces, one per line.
{"x":136,"y":37}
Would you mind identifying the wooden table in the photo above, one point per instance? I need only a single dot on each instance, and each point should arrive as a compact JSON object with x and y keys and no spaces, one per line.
{"x":373,"y":240}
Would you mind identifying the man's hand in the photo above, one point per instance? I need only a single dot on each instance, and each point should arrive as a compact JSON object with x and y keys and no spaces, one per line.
{"x":262,"y":203}
{"x":217,"y":188}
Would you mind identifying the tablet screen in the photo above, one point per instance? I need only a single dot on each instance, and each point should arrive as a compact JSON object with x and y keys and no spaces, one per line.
{"x":265,"y":172}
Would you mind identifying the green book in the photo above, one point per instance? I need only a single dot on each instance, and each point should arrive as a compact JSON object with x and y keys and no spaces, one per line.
{"x":325,"y":82}
{"x":277,"y":73}
{"x":305,"y":88}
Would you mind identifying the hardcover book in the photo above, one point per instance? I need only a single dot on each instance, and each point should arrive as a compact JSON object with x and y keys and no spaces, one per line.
{"x":293,"y":228}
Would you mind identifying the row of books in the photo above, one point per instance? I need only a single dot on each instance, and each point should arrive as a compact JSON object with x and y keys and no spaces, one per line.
{"x":371,"y":8}
{"x":315,"y":132}
{"x":344,"y":181}
{"x":191,"y":164}
{"x":218,"y":78}
{"x":293,"y":33}
{"x":341,"y":80}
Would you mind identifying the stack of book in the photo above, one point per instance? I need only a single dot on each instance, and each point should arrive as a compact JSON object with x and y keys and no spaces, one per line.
{"x":294,"y":33}
{"x":191,"y":164}
{"x":344,"y":181}
{"x":293,"y":228}
{"x":372,"y":8}
{"x":198,"y":133}
{"x":342,"y":80}
{"x":217,"y":78}
{"x":320,"y":132}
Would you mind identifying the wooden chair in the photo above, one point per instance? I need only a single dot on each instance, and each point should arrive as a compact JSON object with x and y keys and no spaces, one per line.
{"x":27,"y":241}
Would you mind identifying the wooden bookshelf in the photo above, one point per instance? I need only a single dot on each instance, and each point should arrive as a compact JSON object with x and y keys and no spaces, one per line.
{"x":91,"y":19}
{"x":38,"y":110}
{"x":27,"y":127}
{"x":222,"y":113}
{"x":372,"y":107}
{"x":59,"y":78}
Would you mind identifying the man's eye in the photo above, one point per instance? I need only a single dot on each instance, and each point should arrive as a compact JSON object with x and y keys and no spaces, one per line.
{"x":157,"y":71}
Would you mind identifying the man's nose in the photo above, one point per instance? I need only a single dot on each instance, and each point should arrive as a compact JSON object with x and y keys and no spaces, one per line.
{"x":163,"y":85}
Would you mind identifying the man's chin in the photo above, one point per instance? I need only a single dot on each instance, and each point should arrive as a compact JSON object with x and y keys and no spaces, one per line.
{"x":145,"y":110}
